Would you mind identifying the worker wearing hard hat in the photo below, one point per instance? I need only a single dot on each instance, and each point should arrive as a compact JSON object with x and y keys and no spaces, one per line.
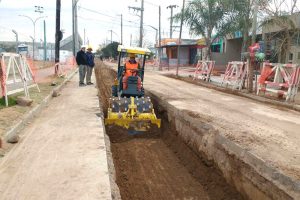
{"x":81,"y":60}
{"x":90,"y":65}
{"x":131,"y":68}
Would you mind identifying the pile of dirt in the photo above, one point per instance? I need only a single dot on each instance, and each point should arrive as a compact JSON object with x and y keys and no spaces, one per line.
{"x":158,"y":164}
{"x":105,"y":79}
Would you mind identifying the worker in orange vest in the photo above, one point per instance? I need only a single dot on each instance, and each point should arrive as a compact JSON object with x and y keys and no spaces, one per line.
{"x":131,"y":68}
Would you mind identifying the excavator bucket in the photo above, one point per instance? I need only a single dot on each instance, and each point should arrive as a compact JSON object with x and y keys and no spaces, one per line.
{"x":132,"y":113}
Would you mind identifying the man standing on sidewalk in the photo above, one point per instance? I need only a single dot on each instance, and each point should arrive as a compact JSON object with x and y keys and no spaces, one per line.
{"x":90,"y":65}
{"x":81,"y":60}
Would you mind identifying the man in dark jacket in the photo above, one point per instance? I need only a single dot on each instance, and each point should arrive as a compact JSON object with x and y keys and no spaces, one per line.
{"x":81,"y":60}
{"x":90,"y":65}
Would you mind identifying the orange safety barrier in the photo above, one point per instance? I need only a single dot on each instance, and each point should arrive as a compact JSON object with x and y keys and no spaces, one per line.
{"x":16,"y":75}
{"x":3,"y":77}
{"x":282,"y":79}
{"x":235,"y":74}
{"x":31,"y":66}
{"x":64,"y":68}
{"x":204,"y":70}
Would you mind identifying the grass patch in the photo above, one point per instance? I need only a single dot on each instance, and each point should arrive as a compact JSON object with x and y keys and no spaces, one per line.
{"x":12,"y":100}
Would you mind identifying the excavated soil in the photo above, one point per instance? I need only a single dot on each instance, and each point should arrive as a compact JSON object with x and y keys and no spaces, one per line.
{"x":157,"y":164}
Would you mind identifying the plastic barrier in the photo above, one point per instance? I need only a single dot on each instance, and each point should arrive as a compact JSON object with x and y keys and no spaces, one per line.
{"x":282,"y":79}
{"x":203,"y":70}
{"x":65,"y":67}
{"x":15,"y":75}
{"x":235,"y":74}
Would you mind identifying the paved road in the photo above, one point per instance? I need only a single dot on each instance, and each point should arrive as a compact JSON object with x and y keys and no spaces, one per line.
{"x":61,"y":154}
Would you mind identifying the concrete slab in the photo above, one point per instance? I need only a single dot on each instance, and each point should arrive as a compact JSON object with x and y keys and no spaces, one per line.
{"x":62,"y":153}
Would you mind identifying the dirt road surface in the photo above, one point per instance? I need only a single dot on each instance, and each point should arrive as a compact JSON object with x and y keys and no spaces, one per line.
{"x":61,"y":154}
{"x":157,"y":165}
{"x":270,"y":133}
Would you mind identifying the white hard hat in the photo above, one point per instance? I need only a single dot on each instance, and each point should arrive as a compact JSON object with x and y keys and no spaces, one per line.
{"x":83,"y":46}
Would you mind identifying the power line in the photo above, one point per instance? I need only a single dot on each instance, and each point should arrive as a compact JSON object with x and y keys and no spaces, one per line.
{"x":97,"y":12}
{"x":9,"y":30}
{"x":108,"y":22}
{"x":100,"y":13}
{"x":152,"y":4}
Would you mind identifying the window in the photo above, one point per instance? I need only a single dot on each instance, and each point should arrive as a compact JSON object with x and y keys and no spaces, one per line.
{"x":291,"y":56}
{"x":216,"y":48}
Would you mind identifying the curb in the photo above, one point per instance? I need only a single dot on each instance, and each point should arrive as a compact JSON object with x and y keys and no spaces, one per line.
{"x":15,"y":129}
{"x":256,"y":98}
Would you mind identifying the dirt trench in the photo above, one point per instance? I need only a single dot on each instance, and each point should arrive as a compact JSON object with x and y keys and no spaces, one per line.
{"x":157,"y":164}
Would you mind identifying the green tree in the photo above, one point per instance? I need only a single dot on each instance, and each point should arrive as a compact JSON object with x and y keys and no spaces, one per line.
{"x":110,"y":50}
{"x":8,"y":47}
{"x":244,"y":10}
{"x":205,"y":17}
{"x":285,"y":22}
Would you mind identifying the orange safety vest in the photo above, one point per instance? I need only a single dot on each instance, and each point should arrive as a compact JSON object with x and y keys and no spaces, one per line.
{"x":131,"y":69}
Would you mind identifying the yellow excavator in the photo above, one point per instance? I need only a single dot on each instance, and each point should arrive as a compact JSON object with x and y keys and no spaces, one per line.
{"x":128,"y":106}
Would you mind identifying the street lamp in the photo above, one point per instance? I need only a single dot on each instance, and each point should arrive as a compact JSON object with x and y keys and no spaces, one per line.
{"x":17,"y":40}
{"x":32,"y":43}
{"x":33,"y":22}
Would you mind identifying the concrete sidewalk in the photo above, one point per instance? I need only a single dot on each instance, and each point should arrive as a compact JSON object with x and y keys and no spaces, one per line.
{"x":62,"y":153}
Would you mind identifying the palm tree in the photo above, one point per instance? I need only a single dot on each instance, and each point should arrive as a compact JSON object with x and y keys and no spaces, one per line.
{"x":205,"y":17}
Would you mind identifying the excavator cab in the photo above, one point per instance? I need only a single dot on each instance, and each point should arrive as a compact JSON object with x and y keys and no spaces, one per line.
{"x":128,"y":106}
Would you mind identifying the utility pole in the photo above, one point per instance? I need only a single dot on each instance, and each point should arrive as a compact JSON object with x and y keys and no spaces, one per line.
{"x":121,"y":29}
{"x":32,"y":38}
{"x":159,"y":38}
{"x":179,"y":41}
{"x":141,"y":9}
{"x":130,"y":39}
{"x":141,"y":25}
{"x":45,"y":42}
{"x":74,"y":26}
{"x":250,"y":64}
{"x":17,"y":40}
{"x":84,"y":42}
{"x":171,"y":19}
{"x":111,"y":31}
{"x":58,"y":35}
